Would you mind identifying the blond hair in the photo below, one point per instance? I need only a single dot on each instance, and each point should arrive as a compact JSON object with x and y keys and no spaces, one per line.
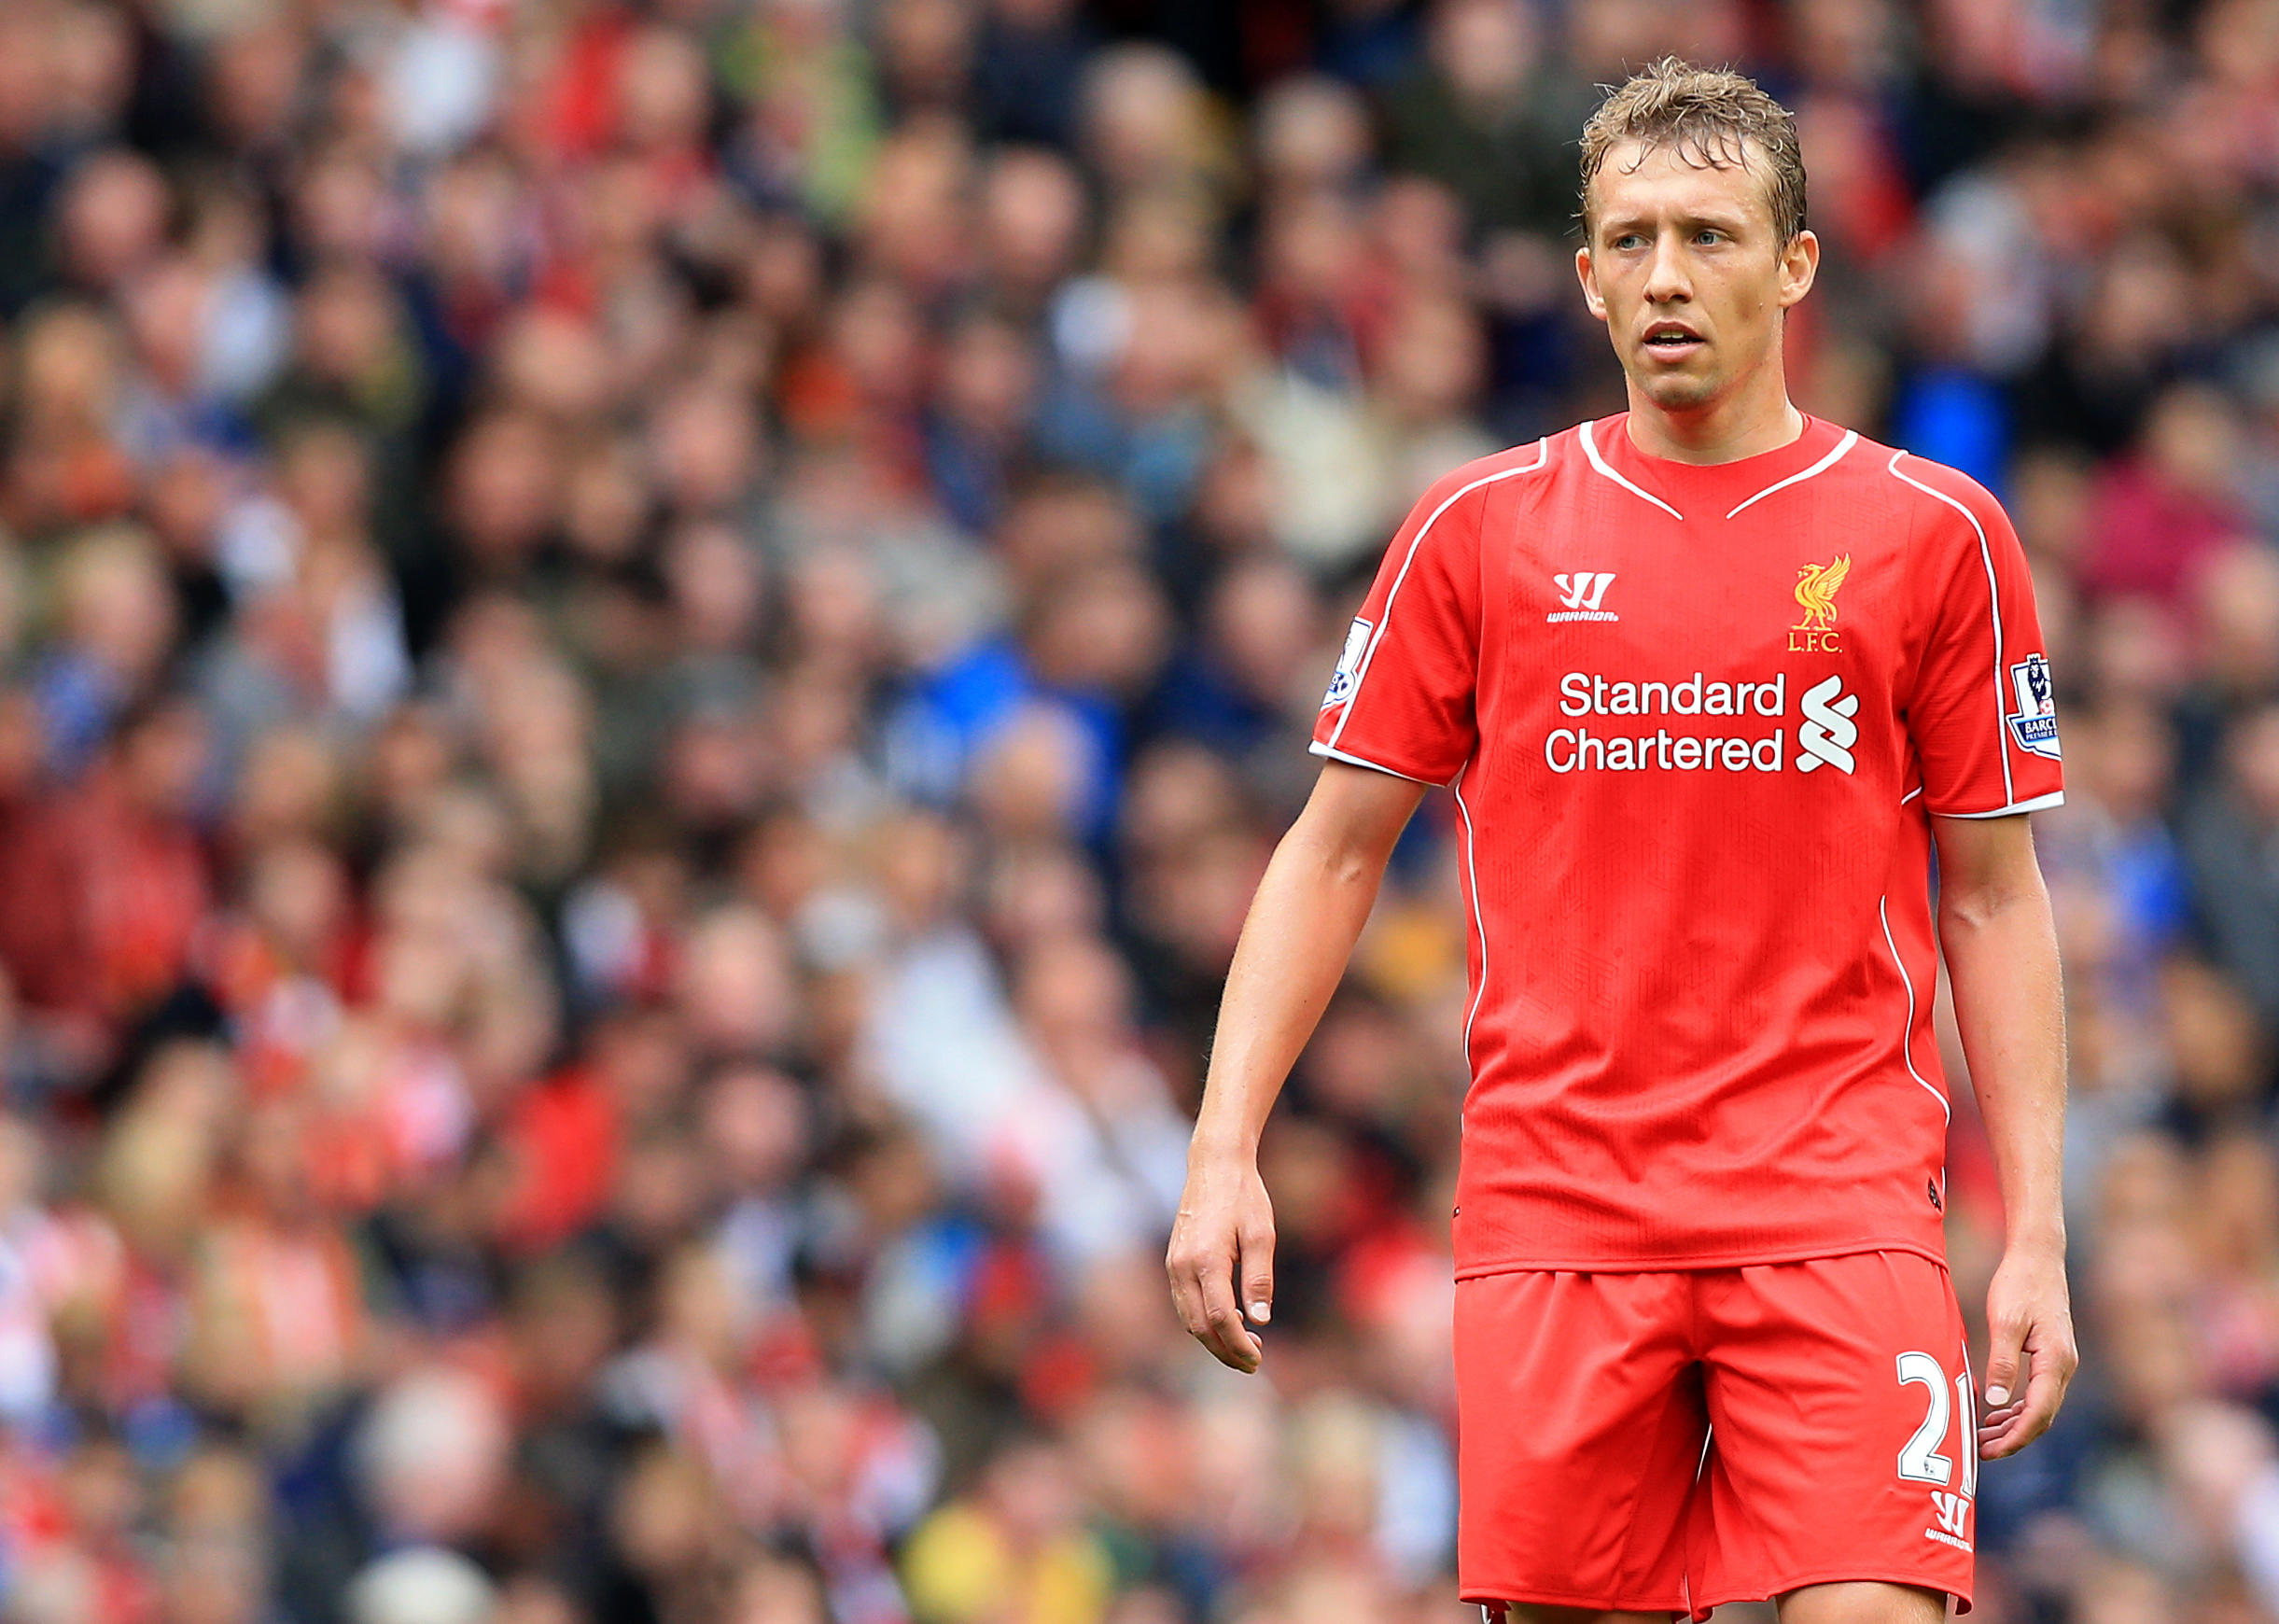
{"x":1711,"y":116}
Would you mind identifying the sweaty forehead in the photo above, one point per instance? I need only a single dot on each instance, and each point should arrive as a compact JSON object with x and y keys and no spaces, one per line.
{"x":1650,"y":177}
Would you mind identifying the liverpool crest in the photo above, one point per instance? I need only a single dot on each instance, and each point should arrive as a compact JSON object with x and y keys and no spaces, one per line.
{"x":1816,"y":588}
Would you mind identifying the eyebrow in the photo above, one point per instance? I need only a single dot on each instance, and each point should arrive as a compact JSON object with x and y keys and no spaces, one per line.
{"x":1724,"y":221}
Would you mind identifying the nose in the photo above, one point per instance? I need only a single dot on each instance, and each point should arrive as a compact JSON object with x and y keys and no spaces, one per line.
{"x":1667,"y":282}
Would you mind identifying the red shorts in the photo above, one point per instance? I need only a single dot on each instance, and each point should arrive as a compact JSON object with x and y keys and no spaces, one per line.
{"x":1676,"y":1441}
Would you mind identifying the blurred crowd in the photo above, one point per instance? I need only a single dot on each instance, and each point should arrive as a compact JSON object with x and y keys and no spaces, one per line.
{"x":647,"y":652}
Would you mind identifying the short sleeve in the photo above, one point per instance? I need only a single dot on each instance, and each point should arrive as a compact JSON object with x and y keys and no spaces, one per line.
{"x":1401,"y":698}
{"x":1982,"y":715}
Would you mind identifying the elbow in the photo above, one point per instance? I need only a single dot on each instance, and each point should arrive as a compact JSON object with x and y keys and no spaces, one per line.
{"x":1977,"y":907}
{"x":1347,"y":866}
{"x":1339,"y":862}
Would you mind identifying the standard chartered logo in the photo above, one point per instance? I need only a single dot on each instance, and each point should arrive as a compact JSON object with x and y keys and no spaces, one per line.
{"x":1827,"y":732}
{"x":1715,"y":725}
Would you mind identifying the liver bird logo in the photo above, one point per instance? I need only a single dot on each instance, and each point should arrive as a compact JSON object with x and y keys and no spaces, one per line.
{"x":1816,"y":588}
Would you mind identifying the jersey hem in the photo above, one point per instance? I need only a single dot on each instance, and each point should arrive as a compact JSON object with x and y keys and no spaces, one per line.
{"x":1709,"y":1260}
{"x":2039,"y":804}
{"x":1944,"y":1585}
{"x":1336,"y":754}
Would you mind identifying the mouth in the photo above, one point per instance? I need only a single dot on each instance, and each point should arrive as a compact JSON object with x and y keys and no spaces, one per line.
{"x":1672,"y":341}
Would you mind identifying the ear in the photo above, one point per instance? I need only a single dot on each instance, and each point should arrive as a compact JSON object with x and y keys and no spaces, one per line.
{"x":1592,"y":299}
{"x":1799,"y":265}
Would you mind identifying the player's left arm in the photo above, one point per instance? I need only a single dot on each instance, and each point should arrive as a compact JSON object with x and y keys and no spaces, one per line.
{"x":2002,"y":955}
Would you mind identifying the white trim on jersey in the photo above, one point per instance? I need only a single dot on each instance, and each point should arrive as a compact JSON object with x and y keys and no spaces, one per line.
{"x":2040,"y":803}
{"x":1850,"y":439}
{"x":1993,"y":600}
{"x":1480,"y":921}
{"x":1907,"y":1039}
{"x":1591,"y":450}
{"x":1384,"y":621}
{"x":1910,"y":795}
{"x":1353,"y":761}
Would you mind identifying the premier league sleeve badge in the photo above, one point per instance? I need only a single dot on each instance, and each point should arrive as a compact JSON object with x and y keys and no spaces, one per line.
{"x":2035,"y":724}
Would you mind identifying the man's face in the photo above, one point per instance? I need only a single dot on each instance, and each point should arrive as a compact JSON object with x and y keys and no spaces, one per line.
{"x":1683,"y":264}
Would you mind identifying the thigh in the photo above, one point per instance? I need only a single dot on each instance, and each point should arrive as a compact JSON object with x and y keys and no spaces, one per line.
{"x":1845,"y":1443}
{"x":1859,"y":1603}
{"x":1579,"y":1432}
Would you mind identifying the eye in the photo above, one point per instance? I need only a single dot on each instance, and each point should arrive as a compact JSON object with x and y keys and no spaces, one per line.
{"x":1708,"y":236}
{"x":1629,"y":240}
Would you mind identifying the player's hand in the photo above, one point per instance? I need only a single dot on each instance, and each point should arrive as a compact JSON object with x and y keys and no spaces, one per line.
{"x":1223,"y":1238}
{"x":2031,"y":1354}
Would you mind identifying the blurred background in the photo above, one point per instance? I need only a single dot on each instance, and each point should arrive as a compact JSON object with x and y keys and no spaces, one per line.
{"x":648,"y":653}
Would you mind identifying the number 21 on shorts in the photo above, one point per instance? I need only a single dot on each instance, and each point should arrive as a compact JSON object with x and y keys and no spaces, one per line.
{"x":1919,"y":1459}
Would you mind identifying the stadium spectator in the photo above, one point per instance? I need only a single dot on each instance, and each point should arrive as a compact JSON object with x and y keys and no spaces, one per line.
{"x":648,"y":653}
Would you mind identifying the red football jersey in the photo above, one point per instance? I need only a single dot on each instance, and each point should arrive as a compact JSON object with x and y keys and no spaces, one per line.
{"x":1698,"y":721}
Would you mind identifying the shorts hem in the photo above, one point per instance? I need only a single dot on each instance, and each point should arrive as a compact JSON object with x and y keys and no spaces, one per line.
{"x":1705,"y":1262}
{"x":1532,"y":1596}
{"x":1787,"y":1582}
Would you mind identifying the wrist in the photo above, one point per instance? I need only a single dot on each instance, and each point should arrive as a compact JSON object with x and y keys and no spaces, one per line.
{"x":1216,"y":1142}
{"x":2036,"y":1235}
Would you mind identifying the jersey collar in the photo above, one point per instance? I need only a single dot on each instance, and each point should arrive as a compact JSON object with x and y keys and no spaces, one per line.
{"x":1714,"y":490}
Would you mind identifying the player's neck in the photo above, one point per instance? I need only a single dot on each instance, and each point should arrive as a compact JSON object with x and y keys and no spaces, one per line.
{"x":1746,"y":423}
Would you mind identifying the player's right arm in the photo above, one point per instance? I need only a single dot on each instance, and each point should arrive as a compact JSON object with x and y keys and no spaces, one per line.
{"x":1398,"y":719}
{"x":1302,"y":926}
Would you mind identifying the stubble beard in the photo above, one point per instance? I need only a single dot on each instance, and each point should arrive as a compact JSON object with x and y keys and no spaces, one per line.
{"x":1679,"y":391}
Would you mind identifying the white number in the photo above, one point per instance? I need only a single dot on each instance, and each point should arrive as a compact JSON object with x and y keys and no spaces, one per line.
{"x":1920,"y":1461}
{"x":1970,"y":1434}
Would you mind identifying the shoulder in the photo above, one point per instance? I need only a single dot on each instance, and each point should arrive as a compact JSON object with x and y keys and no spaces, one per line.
{"x":1483,"y":473}
{"x":1447,"y":516}
{"x":1944,"y":498}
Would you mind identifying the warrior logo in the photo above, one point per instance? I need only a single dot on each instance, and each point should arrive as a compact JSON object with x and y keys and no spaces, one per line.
{"x":1582,"y":594}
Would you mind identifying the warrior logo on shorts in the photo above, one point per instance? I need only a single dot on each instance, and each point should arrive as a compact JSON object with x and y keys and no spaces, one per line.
{"x":1349,"y":665}
{"x":2036,"y":720}
{"x":1953,"y":1512}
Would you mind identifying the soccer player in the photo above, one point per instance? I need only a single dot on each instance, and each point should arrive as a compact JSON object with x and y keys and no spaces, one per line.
{"x":1709,"y":680}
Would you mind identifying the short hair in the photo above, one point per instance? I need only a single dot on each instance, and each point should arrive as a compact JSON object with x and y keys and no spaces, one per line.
{"x":1710,"y":117}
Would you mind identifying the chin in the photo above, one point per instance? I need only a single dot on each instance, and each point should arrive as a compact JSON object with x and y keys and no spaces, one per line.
{"x":1677,"y":392}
